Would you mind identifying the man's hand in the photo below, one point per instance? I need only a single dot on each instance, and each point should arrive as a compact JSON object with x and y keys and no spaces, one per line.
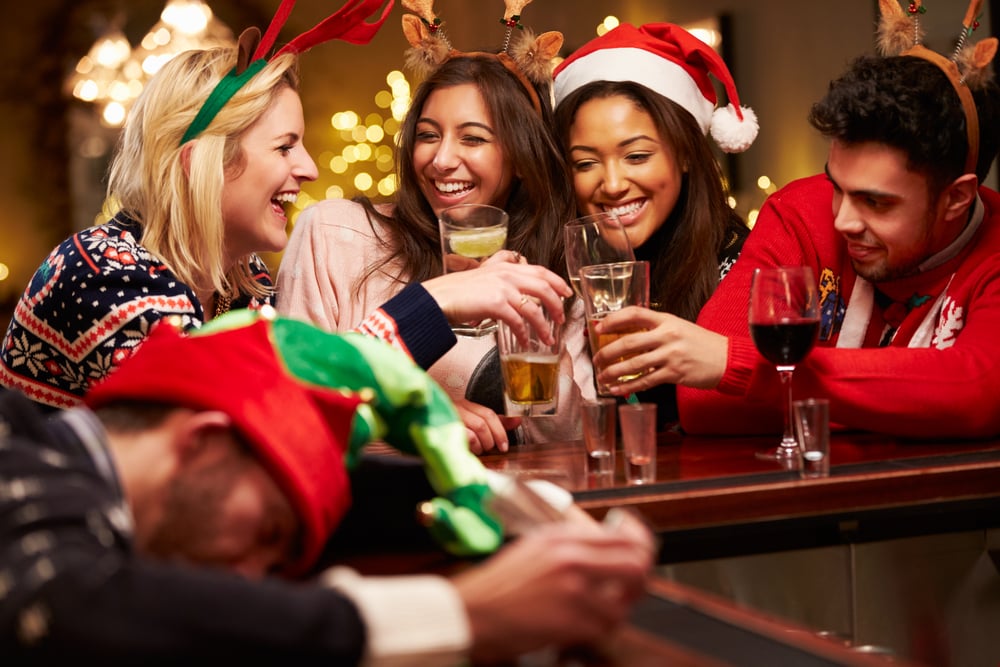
{"x":563,"y":583}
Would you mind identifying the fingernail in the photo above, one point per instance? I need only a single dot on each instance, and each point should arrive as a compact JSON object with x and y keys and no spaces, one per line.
{"x":614,"y":519}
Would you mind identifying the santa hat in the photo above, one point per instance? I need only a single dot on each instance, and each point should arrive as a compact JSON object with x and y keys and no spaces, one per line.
{"x":298,"y":427}
{"x":670,"y":61}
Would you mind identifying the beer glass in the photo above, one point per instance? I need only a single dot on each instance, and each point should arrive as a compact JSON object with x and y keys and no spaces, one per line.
{"x":530,"y":370}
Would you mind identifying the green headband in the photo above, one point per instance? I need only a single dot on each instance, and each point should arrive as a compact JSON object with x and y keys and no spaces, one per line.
{"x":347,"y":24}
{"x":222,"y":93}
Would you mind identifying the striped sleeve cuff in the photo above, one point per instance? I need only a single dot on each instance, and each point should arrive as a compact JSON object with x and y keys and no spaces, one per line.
{"x":418,"y":325}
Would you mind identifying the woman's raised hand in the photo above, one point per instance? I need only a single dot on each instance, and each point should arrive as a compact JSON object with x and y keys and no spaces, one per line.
{"x":504,"y":287}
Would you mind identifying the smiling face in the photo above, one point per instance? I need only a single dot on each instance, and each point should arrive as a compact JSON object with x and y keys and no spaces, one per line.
{"x":457,"y":156}
{"x":885,"y":212}
{"x":621,"y":164}
{"x":275,"y":164}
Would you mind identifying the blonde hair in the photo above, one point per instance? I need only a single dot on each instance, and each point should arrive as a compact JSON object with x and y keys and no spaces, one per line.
{"x":175,"y":192}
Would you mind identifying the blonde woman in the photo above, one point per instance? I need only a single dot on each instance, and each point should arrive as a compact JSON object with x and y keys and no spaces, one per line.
{"x":211,"y":155}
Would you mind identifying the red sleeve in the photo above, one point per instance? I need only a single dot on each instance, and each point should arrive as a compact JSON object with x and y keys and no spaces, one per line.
{"x":747,"y":399}
{"x":908,"y":392}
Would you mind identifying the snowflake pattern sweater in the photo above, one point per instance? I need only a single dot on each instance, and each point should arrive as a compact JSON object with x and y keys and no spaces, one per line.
{"x":98,"y":294}
{"x":87,"y":308}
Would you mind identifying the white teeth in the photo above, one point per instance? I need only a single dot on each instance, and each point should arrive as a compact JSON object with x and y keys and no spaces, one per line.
{"x":286,"y":197}
{"x":626,"y":209}
{"x":452,"y":186}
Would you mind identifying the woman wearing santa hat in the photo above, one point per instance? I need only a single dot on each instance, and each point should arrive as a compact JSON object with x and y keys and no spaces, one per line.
{"x":634,"y":107}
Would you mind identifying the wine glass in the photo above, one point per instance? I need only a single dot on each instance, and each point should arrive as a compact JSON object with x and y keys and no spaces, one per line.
{"x":784,"y":323}
{"x":594,"y":239}
{"x":469,"y":234}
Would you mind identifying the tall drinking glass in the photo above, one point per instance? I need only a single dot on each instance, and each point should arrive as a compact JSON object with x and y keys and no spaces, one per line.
{"x":594,"y":239}
{"x":784,"y":323}
{"x":469,"y":234}
{"x":607,"y":288}
{"x":530,"y":370}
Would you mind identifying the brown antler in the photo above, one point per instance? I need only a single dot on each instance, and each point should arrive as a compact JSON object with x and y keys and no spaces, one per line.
{"x":897,"y":31}
{"x":428,"y":49}
{"x":534,"y":55}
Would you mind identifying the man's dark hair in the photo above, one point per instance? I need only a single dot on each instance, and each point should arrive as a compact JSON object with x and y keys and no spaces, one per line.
{"x":125,"y":416}
{"x":909,"y":103}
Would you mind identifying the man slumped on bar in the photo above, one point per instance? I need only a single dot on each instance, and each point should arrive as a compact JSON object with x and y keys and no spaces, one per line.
{"x":904,"y":242}
{"x":177,"y":516}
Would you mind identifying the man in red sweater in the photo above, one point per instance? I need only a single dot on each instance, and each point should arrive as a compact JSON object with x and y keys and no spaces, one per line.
{"x":905,"y":244}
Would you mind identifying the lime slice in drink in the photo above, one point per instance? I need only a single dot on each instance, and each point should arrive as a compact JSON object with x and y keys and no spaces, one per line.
{"x":478,"y":243}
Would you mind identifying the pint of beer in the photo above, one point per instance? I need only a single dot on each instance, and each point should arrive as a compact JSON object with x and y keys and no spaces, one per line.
{"x":530,"y":377}
{"x":530,"y":371}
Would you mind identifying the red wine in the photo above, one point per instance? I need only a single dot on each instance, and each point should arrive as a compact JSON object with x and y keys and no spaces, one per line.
{"x":785,"y":343}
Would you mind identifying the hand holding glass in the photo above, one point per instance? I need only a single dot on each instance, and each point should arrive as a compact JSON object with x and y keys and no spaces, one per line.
{"x":784,"y":323}
{"x":608,"y":288}
{"x":530,"y":370}
{"x":469,"y":234}
{"x":594,"y":239}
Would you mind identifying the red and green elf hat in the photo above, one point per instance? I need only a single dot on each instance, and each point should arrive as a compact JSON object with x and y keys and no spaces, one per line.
{"x":347,"y":24}
{"x":307,"y":400}
{"x":299,"y":430}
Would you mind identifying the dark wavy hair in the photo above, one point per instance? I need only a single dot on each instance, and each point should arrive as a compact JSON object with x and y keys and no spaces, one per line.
{"x":908,"y":103}
{"x":541,"y":200}
{"x":685,"y":265}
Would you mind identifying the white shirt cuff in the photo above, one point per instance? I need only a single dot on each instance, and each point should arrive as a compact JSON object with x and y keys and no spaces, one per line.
{"x":411,"y":620}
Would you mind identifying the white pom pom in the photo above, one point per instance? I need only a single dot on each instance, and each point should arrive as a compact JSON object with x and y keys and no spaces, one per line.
{"x":732,"y":134}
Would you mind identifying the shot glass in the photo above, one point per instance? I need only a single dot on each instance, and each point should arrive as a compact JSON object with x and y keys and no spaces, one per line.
{"x":530,"y":370}
{"x":599,"y":435}
{"x":638,"y":424}
{"x":812,"y":430}
{"x":607,"y":288}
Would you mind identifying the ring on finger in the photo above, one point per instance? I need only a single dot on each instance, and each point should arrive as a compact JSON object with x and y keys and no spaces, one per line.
{"x":524,"y":300}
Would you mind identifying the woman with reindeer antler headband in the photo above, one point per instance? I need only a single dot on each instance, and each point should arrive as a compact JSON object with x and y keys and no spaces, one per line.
{"x":210,"y":157}
{"x":477,"y":131}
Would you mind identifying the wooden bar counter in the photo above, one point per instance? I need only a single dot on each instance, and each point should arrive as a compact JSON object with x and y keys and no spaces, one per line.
{"x":897,"y":551}
{"x":709,"y":489}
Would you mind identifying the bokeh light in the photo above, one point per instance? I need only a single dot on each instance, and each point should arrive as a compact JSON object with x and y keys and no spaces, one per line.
{"x":609,"y":23}
{"x":360,"y":157}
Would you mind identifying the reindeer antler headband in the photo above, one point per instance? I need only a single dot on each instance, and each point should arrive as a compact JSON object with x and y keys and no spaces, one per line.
{"x":346,"y":24}
{"x":900,"y":34}
{"x":529,"y":59}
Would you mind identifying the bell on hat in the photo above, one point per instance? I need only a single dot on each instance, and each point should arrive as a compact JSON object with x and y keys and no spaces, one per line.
{"x":670,"y":61}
